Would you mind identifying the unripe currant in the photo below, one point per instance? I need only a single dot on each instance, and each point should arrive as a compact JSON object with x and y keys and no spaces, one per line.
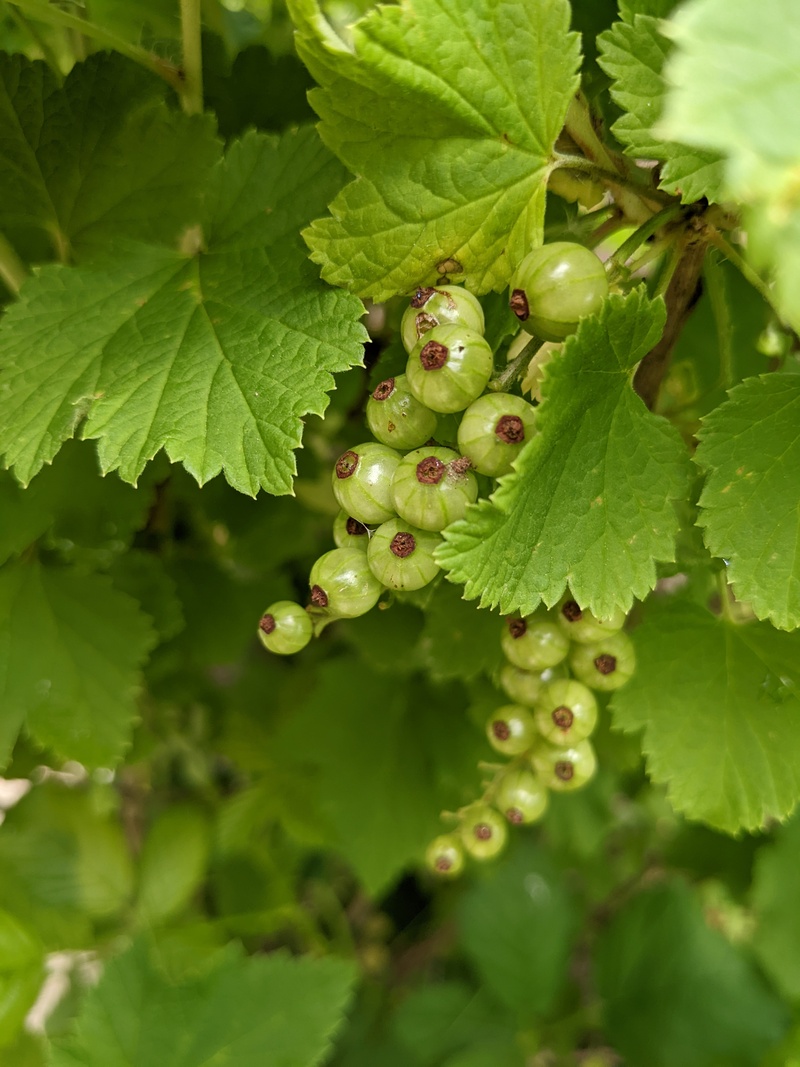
{"x":444,"y":305}
{"x":523,"y":687}
{"x":494,"y":430}
{"x":445,"y":856}
{"x":483,"y":832}
{"x":285,"y":628}
{"x":605,"y":665}
{"x":401,"y":555}
{"x":396,"y":417}
{"x":555,"y":286}
{"x":449,"y":368}
{"x":511,"y":729}
{"x":521,"y":796}
{"x":564,"y":768}
{"x":349,"y":532}
{"x":342,"y":585}
{"x":566,"y":712}
{"x":581,"y":626}
{"x":433,"y":487}
{"x":362,"y":481}
{"x":533,"y":644}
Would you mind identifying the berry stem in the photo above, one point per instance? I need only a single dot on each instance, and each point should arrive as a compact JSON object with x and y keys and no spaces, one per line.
{"x":615,"y":265}
{"x":12,"y":270}
{"x":646,"y":195}
{"x":192,"y":90}
{"x":506,"y":378}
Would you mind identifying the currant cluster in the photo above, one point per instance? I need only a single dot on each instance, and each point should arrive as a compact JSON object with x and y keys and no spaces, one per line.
{"x":553,"y":664}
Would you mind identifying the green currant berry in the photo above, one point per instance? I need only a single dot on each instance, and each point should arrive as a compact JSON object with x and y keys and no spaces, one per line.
{"x":494,"y":430}
{"x":521,"y":796}
{"x":566,"y":712}
{"x":362,"y":482}
{"x":605,"y":665}
{"x":445,"y":305}
{"x":581,"y":626}
{"x":401,"y":555}
{"x":511,"y":729}
{"x":555,"y":286}
{"x":342,"y":585}
{"x":533,"y":644}
{"x":445,"y":856}
{"x":483,"y":832}
{"x":433,"y":487}
{"x":563,"y":769}
{"x":523,"y":687}
{"x":449,"y":368}
{"x":349,"y":532}
{"x":285,"y":628}
{"x":396,"y":417}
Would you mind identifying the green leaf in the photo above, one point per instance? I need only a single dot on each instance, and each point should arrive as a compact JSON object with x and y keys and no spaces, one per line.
{"x":458,"y":640}
{"x":750,"y":505}
{"x":70,"y":649}
{"x":173,"y":862}
{"x":633,"y":54}
{"x":437,"y":1020}
{"x":21,"y":975}
{"x":244,"y":1009}
{"x":776,"y":886}
{"x":447,"y":112}
{"x":517,"y":926}
{"x":677,"y":992}
{"x":591,"y":502}
{"x":213,"y":356}
{"x":661,"y":9}
{"x":735,"y":80}
{"x":721,"y":715}
{"x":64,"y":172}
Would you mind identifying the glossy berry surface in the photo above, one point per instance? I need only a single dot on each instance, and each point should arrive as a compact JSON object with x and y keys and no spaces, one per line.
{"x":533,"y":644}
{"x":563,"y":769}
{"x":581,"y":626}
{"x":521,"y":796}
{"x":342,"y":584}
{"x":493,"y":431}
{"x":285,"y":628}
{"x":449,"y":368}
{"x":433,"y":487}
{"x":511,"y":729}
{"x":401,"y":555}
{"x":362,"y":481}
{"x":555,"y":286}
{"x":440,"y":306}
{"x":483,"y":832}
{"x":349,"y":532}
{"x":606,"y":664}
{"x":566,"y":712}
{"x":445,"y":856}
{"x":396,"y":417}
{"x":522,"y":687}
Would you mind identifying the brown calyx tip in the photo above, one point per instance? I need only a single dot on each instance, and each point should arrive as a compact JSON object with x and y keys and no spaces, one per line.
{"x":516,"y":627}
{"x":383,"y":390}
{"x":571,"y":611}
{"x":457,"y":467}
{"x":510,"y":429}
{"x":562,"y":716}
{"x":519,"y":304}
{"x":482,"y":831}
{"x":433,"y":355}
{"x":346,"y":464}
{"x":606,"y":663}
{"x":514,"y":815}
{"x":430,"y":471}
{"x":354,"y":527}
{"x":403,"y":544}
{"x":424,"y":322}
{"x":443,"y":864}
{"x":564,"y":770}
{"x":501,"y":729}
{"x":422,"y":296}
{"x":319,"y":598}
{"x":267,"y":623}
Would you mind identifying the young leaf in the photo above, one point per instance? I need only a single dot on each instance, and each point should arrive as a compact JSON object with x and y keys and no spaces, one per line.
{"x":750,"y":448}
{"x":447,"y":111}
{"x":70,"y":649}
{"x":632,"y":54}
{"x":721,"y":715}
{"x":243,"y":1010}
{"x":172,"y":863}
{"x":213,"y":355}
{"x":591,"y":502}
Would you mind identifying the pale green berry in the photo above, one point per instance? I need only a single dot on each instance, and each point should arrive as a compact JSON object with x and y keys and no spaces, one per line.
{"x":523,"y":687}
{"x":349,"y":532}
{"x":534,"y":644}
{"x":580,"y":625}
{"x":566,"y":712}
{"x":564,"y":768}
{"x":605,"y":665}
{"x":483,"y":832}
{"x":401,"y":555}
{"x":445,"y":856}
{"x":521,"y":796}
{"x":444,"y":305}
{"x":555,"y":286}
{"x":362,"y":481}
{"x":285,"y":628}
{"x":396,"y":417}
{"x":511,"y":729}
{"x":494,"y":430}
{"x":449,"y":368}
{"x":433,"y":487}
{"x":342,"y":584}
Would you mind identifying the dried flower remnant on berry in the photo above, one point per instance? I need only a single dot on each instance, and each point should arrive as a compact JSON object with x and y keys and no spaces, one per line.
{"x":563,"y":717}
{"x":510,"y":429}
{"x":434,"y":355}
{"x":346,"y":464}
{"x":519,"y":304}
{"x":267,"y":624}
{"x":403,"y":544}
{"x":319,"y":598}
{"x":430,"y":471}
{"x":571,"y":611}
{"x":517,"y":627}
{"x":564,"y":770}
{"x":606,"y":663}
{"x":383,"y":390}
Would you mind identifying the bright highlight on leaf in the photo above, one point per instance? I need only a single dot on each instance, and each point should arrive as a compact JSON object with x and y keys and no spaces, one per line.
{"x":447,"y":112}
{"x":720,"y":709}
{"x":750,"y":506}
{"x":591,"y":502}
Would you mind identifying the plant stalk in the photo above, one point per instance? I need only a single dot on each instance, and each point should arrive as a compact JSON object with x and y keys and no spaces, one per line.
{"x":191,"y":25}
{"x":12,"y":270}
